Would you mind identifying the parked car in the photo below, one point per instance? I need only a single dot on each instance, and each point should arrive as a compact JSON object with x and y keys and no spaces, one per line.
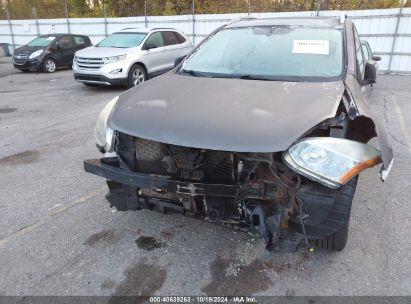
{"x":49,"y":52}
{"x":130,"y":57}
{"x":368,"y":54}
{"x":370,"y":58}
{"x":262,"y":128}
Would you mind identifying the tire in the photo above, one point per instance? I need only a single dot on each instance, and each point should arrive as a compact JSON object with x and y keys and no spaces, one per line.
{"x":137,"y":75}
{"x":341,"y":210}
{"x":49,"y":65}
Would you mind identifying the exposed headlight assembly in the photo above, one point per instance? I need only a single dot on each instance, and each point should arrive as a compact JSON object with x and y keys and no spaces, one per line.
{"x":114,"y":58}
{"x":330,"y":161}
{"x":36,"y":54}
{"x":103,"y":133}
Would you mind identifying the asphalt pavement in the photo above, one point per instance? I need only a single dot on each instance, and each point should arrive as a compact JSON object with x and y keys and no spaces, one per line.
{"x":58,"y":235}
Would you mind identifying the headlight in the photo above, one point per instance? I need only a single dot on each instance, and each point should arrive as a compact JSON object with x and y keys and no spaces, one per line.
{"x":114,"y":58}
{"x":75,"y":58}
{"x":102,"y":132}
{"x":35,"y":54}
{"x":330,"y":161}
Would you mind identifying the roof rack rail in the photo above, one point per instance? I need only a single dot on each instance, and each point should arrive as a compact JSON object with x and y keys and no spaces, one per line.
{"x":163,"y":28}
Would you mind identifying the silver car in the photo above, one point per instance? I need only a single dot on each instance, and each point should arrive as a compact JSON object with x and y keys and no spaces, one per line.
{"x":131,"y":56}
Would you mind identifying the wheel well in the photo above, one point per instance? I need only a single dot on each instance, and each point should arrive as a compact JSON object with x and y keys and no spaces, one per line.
{"x":141,"y":64}
{"x":362,"y":128}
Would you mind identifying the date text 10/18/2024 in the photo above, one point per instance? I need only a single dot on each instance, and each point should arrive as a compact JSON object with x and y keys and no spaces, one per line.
{"x":200,"y":299}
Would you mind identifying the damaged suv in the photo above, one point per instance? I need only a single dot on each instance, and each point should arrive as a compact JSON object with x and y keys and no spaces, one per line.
{"x":262,"y":128}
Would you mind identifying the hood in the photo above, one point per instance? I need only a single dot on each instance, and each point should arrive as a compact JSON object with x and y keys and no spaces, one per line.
{"x":25,"y":49}
{"x":93,"y":51}
{"x":224,"y":114}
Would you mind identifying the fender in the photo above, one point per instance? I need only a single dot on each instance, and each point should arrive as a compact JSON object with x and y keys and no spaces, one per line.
{"x":365,"y":121}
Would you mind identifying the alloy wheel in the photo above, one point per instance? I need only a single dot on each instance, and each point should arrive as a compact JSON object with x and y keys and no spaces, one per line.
{"x":138,"y":76}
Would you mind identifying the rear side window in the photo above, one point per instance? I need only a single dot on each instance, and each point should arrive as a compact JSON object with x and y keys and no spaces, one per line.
{"x":180,"y":38}
{"x":156,"y":38}
{"x":80,"y":40}
{"x":170,"y":38}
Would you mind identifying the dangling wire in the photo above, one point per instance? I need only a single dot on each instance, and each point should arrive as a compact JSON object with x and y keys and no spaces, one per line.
{"x":300,"y":211}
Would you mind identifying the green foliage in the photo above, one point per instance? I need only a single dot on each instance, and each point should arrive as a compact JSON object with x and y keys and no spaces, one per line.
{"x":22,"y":9}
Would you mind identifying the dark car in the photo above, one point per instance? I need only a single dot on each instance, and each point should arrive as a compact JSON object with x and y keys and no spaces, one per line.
{"x":49,"y":52}
{"x":262,"y":128}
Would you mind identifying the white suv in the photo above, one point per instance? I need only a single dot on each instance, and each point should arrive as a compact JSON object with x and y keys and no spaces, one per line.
{"x":130,"y":56}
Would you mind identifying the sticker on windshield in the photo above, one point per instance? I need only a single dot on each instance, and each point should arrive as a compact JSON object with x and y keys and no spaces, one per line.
{"x":320,"y":47}
{"x":50,"y":38}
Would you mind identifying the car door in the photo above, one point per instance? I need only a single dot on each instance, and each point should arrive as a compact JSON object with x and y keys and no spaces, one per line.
{"x":366,"y":49}
{"x":154,"y":50}
{"x":66,"y":49}
{"x":175,"y":47}
{"x":80,"y":42}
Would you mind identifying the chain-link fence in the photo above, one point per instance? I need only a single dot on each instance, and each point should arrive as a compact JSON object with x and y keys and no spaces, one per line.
{"x":385,"y":24}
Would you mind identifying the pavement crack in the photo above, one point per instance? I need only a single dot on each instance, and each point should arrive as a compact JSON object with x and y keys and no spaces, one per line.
{"x":42,"y":220}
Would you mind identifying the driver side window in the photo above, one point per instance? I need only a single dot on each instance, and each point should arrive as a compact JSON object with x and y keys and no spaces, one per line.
{"x":155,"y":38}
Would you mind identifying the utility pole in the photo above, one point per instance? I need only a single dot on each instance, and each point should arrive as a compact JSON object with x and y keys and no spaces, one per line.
{"x":36,"y":20}
{"x":318,"y":7}
{"x":145,"y":14}
{"x":193,"y":4}
{"x":67,"y":16}
{"x":11,"y":29}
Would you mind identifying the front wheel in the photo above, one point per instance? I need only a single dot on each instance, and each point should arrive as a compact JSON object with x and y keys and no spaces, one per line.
{"x":341,"y":211}
{"x":137,"y":75}
{"x":50,"y":65}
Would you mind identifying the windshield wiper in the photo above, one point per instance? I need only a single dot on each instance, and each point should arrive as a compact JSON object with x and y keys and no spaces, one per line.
{"x":192,"y":73}
{"x":273,"y":78}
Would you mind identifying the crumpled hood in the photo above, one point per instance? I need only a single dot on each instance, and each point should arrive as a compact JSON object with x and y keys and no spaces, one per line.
{"x":93,"y":51}
{"x":225,"y":114}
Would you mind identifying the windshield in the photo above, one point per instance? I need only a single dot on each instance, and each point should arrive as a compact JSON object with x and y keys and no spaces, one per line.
{"x":270,"y":53}
{"x":122,"y":40}
{"x":41,"y":41}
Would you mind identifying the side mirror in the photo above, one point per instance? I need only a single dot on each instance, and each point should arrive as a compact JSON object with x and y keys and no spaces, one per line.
{"x":370,"y":74}
{"x":178,"y":60}
{"x":376,"y":58}
{"x":150,"y":46}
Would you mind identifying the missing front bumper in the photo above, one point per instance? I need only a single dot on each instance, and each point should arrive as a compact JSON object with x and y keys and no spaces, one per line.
{"x":109,"y":169}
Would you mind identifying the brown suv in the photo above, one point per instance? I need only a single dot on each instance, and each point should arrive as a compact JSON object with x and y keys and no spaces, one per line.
{"x":262,"y":128}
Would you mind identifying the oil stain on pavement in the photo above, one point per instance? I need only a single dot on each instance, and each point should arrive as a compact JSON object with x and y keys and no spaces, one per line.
{"x":25,"y":157}
{"x":149,"y":243}
{"x":7,"y":110}
{"x":105,"y":236}
{"x":250,"y":279}
{"x":142,"y":279}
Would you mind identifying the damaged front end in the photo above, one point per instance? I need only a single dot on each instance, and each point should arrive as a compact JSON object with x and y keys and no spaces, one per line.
{"x":252,"y":192}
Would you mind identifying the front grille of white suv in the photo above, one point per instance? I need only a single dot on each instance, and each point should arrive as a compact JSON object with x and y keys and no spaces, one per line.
{"x":84,"y":63}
